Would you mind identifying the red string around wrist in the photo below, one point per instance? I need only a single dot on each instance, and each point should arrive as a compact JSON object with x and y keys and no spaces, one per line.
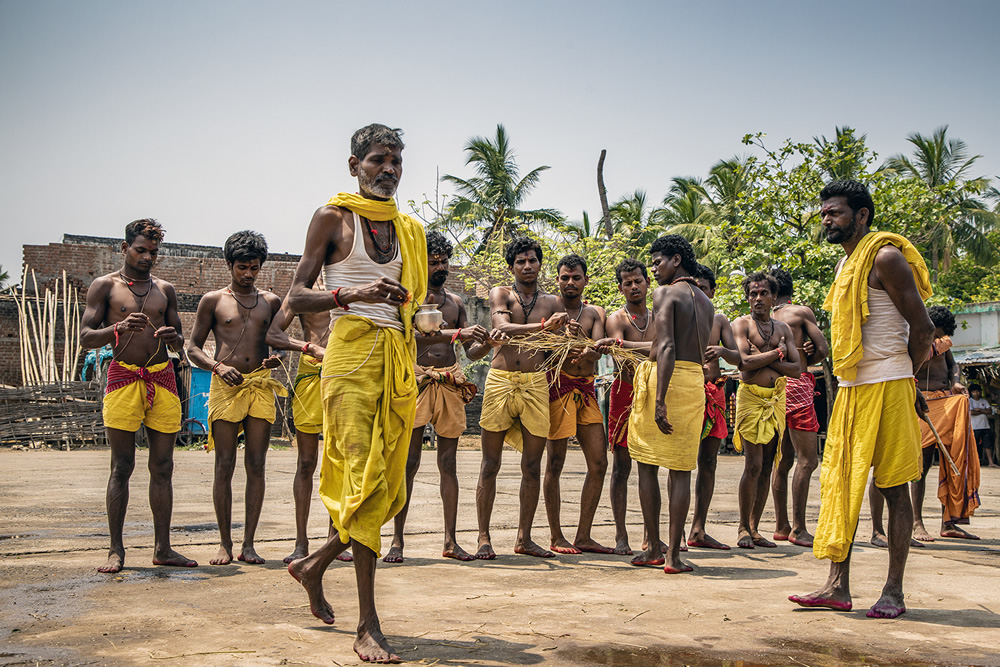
{"x":215,"y":367}
{"x":543,"y":323}
{"x":455,"y":336}
{"x":116,"y":333}
{"x":305,"y":349}
{"x":620,"y":342}
{"x":336,"y":299}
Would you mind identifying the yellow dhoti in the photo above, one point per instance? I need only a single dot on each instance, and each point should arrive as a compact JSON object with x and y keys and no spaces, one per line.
{"x":513,"y":399}
{"x":760,"y":414}
{"x":307,"y":405}
{"x":685,"y":404}
{"x":253,"y":398}
{"x":369,"y":399}
{"x":872,"y":425}
{"x":128,"y":404}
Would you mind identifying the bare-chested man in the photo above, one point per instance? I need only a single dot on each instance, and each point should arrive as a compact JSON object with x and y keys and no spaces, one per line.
{"x":722,"y":345}
{"x":573,"y":410}
{"x":516,"y":398}
{"x":682,"y":323}
{"x":444,"y":392}
{"x":939,"y":379}
{"x":631,"y":327}
{"x":800,"y":443}
{"x":879,"y":334}
{"x":241,"y":397}
{"x":137,"y":314}
{"x":768,"y":359}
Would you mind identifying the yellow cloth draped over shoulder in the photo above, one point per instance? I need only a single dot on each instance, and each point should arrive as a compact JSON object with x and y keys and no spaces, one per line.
{"x":369,"y":396}
{"x":253,"y":398}
{"x":872,"y":425}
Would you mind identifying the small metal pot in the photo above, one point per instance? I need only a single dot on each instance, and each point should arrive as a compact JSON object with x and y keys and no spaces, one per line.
{"x":428,"y":318}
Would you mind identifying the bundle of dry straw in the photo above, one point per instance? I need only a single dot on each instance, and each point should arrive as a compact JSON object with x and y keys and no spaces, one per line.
{"x":558,"y":347}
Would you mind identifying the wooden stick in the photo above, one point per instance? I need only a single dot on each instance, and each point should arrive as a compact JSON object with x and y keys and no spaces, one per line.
{"x":941,"y":447}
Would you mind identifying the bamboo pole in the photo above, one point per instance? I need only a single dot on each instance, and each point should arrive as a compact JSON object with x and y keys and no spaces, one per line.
{"x":76,"y":331}
{"x":65,"y":304}
{"x":36,"y":323}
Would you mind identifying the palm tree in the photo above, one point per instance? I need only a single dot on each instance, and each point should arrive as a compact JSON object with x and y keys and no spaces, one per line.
{"x":491,"y":199}
{"x":4,"y":277}
{"x":844,"y":157}
{"x":578,"y":229}
{"x":632,"y":216}
{"x":943,"y":165}
{"x":688,"y":211}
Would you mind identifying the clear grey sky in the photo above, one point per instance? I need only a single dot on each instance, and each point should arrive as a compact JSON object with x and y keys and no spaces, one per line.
{"x":219,"y":116}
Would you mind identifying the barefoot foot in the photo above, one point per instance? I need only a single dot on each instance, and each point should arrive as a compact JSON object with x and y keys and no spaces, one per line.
{"x":888,"y":606}
{"x":345,"y":557}
{"x":622,"y":548}
{"x":529,"y":548}
{"x":781,"y":534}
{"x":760,"y":541}
{"x":372,"y":647}
{"x":486,"y":552}
{"x":881,"y":541}
{"x":223,"y":557}
{"x":802,"y":539}
{"x":171,"y":557}
{"x":300,"y":551}
{"x":456,"y":552}
{"x":115,"y":563}
{"x":745,"y":540}
{"x":648,"y":558}
{"x":706,"y":541}
{"x":677,"y":567}
{"x":592,"y":547}
{"x":823,"y":600}
{"x":249,"y":556}
{"x":562,"y":546}
{"x":318,"y":605}
{"x":952,"y":530}
{"x":395,"y":555}
{"x":920,"y":533}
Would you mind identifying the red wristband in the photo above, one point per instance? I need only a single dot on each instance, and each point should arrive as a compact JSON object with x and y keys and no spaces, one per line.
{"x":543,"y":324}
{"x":336,"y":299}
{"x":620,"y":342}
{"x":305,"y":349}
{"x":781,"y":355}
{"x":216,"y":366}
{"x":116,"y":333}
{"x":455,"y":336}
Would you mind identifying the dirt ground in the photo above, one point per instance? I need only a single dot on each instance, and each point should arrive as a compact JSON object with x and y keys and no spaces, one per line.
{"x":572,"y":610}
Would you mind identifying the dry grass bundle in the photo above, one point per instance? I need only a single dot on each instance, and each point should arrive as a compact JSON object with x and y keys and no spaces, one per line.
{"x":558,"y":347}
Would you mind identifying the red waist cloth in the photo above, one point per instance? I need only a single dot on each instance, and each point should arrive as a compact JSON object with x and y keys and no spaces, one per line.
{"x":800,"y":392}
{"x":565,"y":384}
{"x":119,"y":376}
{"x":619,"y":408}
{"x":715,"y":411}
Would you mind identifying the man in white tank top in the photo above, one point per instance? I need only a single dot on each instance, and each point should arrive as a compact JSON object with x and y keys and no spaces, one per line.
{"x":880,"y":332}
{"x":375,"y":263}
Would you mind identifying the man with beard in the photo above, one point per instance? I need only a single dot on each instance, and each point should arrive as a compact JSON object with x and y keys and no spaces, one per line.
{"x":799,"y":445}
{"x":768,"y":360}
{"x":880,"y":334}
{"x":374,"y":261}
{"x":628,"y":327}
{"x":573,"y":410}
{"x":516,"y":398}
{"x":444,"y":392}
{"x":137,"y":314}
{"x":722,"y":345}
{"x":241,"y":397}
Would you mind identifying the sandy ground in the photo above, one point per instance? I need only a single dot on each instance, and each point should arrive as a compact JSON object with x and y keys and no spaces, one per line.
{"x":588,"y":609}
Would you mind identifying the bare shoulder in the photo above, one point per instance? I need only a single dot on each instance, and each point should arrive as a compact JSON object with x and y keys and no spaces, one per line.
{"x":601,"y":313}
{"x":804,"y":312}
{"x":103,"y":283}
{"x":454,"y":298}
{"x":617,"y":316}
{"x":271,"y":298}
{"x":499,"y":292}
{"x":167,"y":287}
{"x":721,"y":319}
{"x":211,"y":299}
{"x":741,"y":322}
{"x":782,"y":327}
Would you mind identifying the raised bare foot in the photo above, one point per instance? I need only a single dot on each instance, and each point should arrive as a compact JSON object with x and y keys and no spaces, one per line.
{"x":745,"y":540}
{"x":486,"y":552}
{"x":706,"y":541}
{"x":223,"y":557}
{"x":825,"y":599}
{"x":590,"y":546}
{"x":395,"y":555}
{"x":648,"y":558}
{"x":345,"y":557}
{"x":622,"y":548}
{"x":760,"y":541}
{"x":372,"y":647}
{"x":562,"y":546}
{"x":920,"y":533}
{"x":300,"y":551}
{"x":951,"y":530}
{"x":116,"y":561}
{"x":529,"y":548}
{"x":458,"y":553}
{"x":171,"y":557}
{"x":318,"y":605}
{"x":249,"y":555}
{"x":888,"y":606}
{"x":802,"y":539}
{"x":881,"y":541}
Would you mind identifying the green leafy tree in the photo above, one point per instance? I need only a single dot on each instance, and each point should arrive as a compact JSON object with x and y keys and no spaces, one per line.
{"x":489,"y":203}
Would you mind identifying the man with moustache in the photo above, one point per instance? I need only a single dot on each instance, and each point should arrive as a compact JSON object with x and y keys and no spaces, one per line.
{"x":799,"y":444}
{"x":444,"y":393}
{"x":516,"y":397}
{"x":374,"y":261}
{"x":880,"y":333}
{"x":573,"y":410}
{"x":628,"y":327}
{"x":137,"y":313}
{"x":722,"y":345}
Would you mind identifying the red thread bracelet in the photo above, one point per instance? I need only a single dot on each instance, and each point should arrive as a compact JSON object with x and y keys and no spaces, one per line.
{"x":336,"y":299}
{"x":116,"y":333}
{"x":455,"y":336}
{"x":216,"y":366}
{"x":305,"y":349}
{"x":620,"y":342}
{"x":543,"y":324}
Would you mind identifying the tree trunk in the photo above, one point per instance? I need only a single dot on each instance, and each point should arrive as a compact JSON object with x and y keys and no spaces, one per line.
{"x":603,"y":193}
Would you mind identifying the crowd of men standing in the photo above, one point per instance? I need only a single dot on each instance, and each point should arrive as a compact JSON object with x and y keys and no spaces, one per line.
{"x":370,"y":383}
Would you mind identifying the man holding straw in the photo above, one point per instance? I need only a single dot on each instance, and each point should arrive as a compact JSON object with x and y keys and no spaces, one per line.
{"x":880,"y":334}
{"x":137,"y":314}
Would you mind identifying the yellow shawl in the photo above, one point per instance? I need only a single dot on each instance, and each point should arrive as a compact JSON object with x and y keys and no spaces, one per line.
{"x":847,"y":300}
{"x":412,"y":247}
